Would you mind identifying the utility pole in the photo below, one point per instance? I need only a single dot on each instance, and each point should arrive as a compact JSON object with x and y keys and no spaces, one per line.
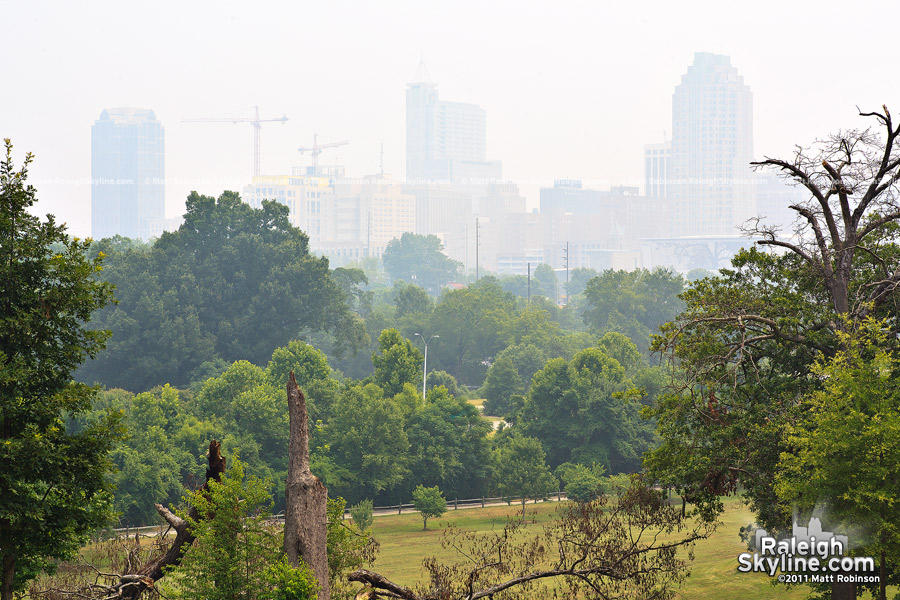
{"x":529,"y":283}
{"x":425,"y":363}
{"x":567,"y":274}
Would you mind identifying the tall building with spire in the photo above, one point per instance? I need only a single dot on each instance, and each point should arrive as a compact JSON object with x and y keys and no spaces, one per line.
{"x":445,"y":141}
{"x":127,"y":174}
{"x":711,"y":190}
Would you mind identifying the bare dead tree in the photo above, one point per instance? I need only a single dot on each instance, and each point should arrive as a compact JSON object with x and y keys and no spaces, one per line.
{"x":852,"y":180}
{"x":844,"y":259}
{"x":306,"y":508}
{"x":628,"y":548}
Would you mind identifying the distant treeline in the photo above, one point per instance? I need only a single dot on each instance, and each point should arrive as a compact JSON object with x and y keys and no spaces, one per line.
{"x":211,"y":318}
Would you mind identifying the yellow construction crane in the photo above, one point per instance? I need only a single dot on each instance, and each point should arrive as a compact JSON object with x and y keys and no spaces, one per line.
{"x":257,"y":126}
{"x":316,"y":149}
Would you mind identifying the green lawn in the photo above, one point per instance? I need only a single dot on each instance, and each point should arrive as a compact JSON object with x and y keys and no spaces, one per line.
{"x":714,"y":574}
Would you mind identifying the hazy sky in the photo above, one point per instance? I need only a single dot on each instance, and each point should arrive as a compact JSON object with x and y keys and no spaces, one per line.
{"x":570,"y":89}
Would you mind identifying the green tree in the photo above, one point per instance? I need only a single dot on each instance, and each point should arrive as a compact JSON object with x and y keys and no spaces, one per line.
{"x":521,"y":469}
{"x":845,"y":452}
{"x":578,"y":280}
{"x":634,"y":303}
{"x":583,"y":411}
{"x":429,"y":502}
{"x":443,"y":378}
{"x":313,"y":375}
{"x":696,"y":274}
{"x":448,"y":445}
{"x":307,"y":363}
{"x":361,"y":513}
{"x":528,"y":360}
{"x":150,"y":466}
{"x":368,"y":449}
{"x":617,"y":346}
{"x":233,"y":282}
{"x":518,"y":286}
{"x":54,"y":487}
{"x":235,"y":555}
{"x":411,"y":299}
{"x":420,"y":259}
{"x":397,"y":362}
{"x":533,"y":326}
{"x":581,"y":483}
{"x":472,"y":323}
{"x":251,"y":414}
{"x":546,"y":276}
{"x":502,"y":381}
{"x":352,"y":282}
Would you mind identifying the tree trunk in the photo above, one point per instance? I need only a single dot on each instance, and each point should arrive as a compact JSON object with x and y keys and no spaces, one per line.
{"x":133,"y":585}
{"x":9,"y":574}
{"x":843,"y":590}
{"x":306,"y":508}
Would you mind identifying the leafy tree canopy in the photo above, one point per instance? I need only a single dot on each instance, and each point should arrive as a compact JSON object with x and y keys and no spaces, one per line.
{"x":429,"y":502}
{"x":233,"y":283}
{"x":743,"y":351}
{"x":396,"y":363}
{"x":420,"y":259}
{"x":634,"y":303}
{"x":584,"y":411}
{"x":54,"y":487}
{"x":411,"y":299}
{"x":522,"y":470}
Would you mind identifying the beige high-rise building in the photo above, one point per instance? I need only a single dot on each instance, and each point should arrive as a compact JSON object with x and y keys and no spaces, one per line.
{"x":710,"y":184}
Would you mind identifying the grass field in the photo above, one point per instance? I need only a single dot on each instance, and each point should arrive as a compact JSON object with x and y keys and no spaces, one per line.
{"x":713,"y":572}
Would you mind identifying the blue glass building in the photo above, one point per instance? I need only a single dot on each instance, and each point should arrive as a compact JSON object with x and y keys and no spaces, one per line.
{"x":127,"y":173}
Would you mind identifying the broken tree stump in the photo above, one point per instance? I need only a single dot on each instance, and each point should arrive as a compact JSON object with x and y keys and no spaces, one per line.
{"x":132,"y":586}
{"x":306,"y":508}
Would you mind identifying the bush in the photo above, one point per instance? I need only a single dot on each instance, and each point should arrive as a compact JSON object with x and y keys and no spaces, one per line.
{"x":361,"y":513}
{"x":290,"y":583}
{"x":582,"y":483}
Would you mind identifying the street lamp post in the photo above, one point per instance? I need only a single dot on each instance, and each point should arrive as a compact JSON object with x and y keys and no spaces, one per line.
{"x":425,"y":364}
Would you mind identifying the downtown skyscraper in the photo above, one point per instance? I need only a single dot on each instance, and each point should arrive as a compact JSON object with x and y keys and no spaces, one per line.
{"x":710,"y":184}
{"x":445,"y":141}
{"x":127,"y":173}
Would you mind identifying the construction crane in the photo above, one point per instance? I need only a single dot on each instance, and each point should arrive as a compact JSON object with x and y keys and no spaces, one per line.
{"x":257,"y":126}
{"x":316,"y":150}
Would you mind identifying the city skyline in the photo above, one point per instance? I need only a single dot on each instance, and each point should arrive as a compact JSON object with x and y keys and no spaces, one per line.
{"x":572,"y":92}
